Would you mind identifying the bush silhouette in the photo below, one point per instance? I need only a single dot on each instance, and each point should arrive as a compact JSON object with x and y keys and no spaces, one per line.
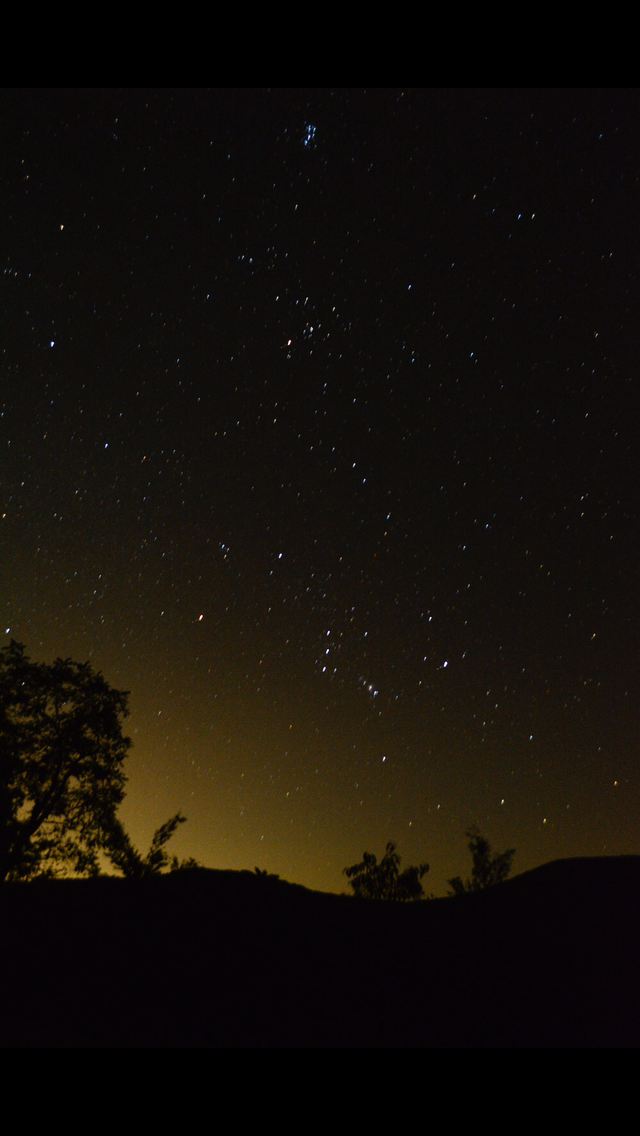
{"x":372,"y":880}
{"x":125,"y":856}
{"x":489,"y":867}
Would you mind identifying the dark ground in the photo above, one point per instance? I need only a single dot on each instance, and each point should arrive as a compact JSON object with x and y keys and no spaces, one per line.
{"x":230,"y":959}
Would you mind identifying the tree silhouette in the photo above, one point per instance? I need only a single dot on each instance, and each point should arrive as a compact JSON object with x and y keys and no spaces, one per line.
{"x":62,"y":753}
{"x":489,"y":867}
{"x":372,"y":880}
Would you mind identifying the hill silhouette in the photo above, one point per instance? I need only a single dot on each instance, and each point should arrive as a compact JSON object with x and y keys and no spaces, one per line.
{"x":206,"y":958}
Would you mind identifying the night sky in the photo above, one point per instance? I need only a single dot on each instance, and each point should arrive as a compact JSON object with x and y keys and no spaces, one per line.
{"x":319,"y":418}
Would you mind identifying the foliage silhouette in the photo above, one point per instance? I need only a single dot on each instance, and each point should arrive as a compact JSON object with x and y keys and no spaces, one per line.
{"x":489,"y":867}
{"x":372,"y":880}
{"x":62,"y":753}
{"x":125,"y":856}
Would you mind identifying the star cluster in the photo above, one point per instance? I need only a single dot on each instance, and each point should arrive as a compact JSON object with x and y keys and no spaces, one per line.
{"x":318,"y":423}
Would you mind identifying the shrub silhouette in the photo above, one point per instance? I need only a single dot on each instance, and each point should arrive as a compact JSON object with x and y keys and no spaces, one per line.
{"x":125,"y":856}
{"x":372,"y":880}
{"x":489,"y":867}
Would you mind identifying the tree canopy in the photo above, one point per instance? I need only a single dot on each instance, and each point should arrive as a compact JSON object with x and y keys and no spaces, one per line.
{"x":62,"y":752}
{"x":489,"y":867}
{"x":372,"y":880}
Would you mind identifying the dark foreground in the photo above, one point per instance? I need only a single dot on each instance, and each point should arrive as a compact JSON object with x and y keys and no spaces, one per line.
{"x":213,"y":959}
